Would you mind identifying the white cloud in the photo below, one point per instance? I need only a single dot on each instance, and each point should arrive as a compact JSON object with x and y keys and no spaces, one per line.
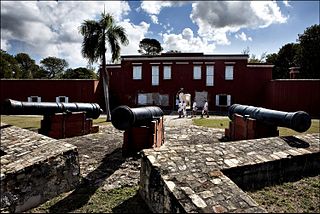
{"x":243,"y":36}
{"x":51,"y":28}
{"x":154,"y":19}
{"x":154,"y":7}
{"x":286,"y":3}
{"x":135,"y":34}
{"x":219,"y":18}
{"x":186,"y":42}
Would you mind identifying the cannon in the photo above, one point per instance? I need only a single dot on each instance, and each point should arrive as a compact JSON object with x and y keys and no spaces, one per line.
{"x":60,"y":120}
{"x":124,"y":117}
{"x":14,"y":107}
{"x":299,"y":121}
{"x":143,"y":127}
{"x":248,"y":122}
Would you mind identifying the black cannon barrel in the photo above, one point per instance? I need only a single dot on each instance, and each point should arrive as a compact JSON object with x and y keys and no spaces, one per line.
{"x":14,"y":107}
{"x":299,"y":121}
{"x":124,"y":117}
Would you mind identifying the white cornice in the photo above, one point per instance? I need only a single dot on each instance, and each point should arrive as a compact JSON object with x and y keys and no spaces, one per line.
{"x":200,"y":58}
{"x":260,"y":66}
{"x":113,"y":66}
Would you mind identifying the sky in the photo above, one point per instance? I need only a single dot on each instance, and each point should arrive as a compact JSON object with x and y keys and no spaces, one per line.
{"x":51,"y":28}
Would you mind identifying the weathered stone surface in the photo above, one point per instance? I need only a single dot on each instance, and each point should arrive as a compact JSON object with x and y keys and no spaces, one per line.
{"x":34,"y":168}
{"x":214,"y":171}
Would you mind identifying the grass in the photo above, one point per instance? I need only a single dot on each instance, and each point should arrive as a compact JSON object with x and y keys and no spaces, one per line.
{"x":91,"y":200}
{"x":33,"y":122}
{"x":224,"y":123}
{"x":302,"y":196}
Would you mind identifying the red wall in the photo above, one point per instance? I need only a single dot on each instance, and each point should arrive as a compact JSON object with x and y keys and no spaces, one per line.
{"x":247,"y":87}
{"x":294,"y":95}
{"x":48,"y":90}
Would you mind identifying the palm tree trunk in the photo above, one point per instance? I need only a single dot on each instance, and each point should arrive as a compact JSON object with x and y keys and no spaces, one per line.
{"x":105,"y":81}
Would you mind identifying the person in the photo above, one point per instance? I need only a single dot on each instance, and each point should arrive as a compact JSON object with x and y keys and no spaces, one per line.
{"x":184,"y":108}
{"x":205,"y":109}
{"x":180,"y":109}
{"x":194,"y":108}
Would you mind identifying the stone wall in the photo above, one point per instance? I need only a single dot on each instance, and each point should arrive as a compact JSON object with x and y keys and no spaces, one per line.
{"x":209,"y":177}
{"x":34,"y":168}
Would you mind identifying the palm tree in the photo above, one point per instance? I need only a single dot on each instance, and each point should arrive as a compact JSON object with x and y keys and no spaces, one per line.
{"x":96,"y":34}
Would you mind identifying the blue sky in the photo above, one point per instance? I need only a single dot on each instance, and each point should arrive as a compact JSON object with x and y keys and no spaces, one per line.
{"x":50,"y":28}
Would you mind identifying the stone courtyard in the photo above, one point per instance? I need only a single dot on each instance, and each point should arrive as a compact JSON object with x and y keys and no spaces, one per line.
{"x":102,"y":165}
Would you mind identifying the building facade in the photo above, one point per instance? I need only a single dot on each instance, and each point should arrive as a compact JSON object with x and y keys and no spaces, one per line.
{"x":157,"y":80}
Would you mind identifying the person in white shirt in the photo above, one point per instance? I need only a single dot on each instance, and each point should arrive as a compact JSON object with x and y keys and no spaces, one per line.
{"x":205,"y":109}
{"x":184,"y":107}
{"x":194,"y":109}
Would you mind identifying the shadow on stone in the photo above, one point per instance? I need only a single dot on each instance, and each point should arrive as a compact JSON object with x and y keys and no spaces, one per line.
{"x":135,"y":204}
{"x":82,"y":194}
{"x":295,"y":142}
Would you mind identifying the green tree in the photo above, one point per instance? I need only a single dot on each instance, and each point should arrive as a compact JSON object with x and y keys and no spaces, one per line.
{"x":27,"y":65}
{"x":80,"y":73}
{"x":283,"y":60}
{"x":96,"y":35}
{"x":309,"y":54}
{"x":9,"y":67}
{"x":54,"y":67}
{"x":150,"y":47}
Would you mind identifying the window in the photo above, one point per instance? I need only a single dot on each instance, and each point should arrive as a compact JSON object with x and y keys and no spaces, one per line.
{"x":34,"y":99}
{"x":155,"y":75}
{"x":137,"y":74}
{"x":210,"y":75}
{"x":223,"y":100}
{"x":142,"y":99}
{"x":197,"y":72}
{"x":62,"y":99}
{"x":167,"y":72}
{"x":229,"y":72}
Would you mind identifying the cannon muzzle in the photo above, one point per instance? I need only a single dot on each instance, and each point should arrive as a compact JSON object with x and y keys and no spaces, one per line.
{"x":124,"y":117}
{"x":299,"y":121}
{"x":14,"y":107}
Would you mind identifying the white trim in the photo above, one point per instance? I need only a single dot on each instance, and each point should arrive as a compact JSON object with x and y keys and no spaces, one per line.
{"x":197,"y":63}
{"x":182,"y":63}
{"x":66,"y":99}
{"x":167,"y":63}
{"x":260,"y":66}
{"x":228,"y":96}
{"x":113,"y":66}
{"x":229,"y":63}
{"x":31,"y":97}
{"x":209,"y":63}
{"x":187,"y":58}
{"x":154,"y":63}
{"x":137,"y":63}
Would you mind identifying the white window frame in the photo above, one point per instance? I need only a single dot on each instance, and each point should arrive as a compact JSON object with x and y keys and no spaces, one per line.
{"x":229,"y":69}
{"x":218,"y":100}
{"x":197,"y":72}
{"x":34,"y":97}
{"x":209,"y":75}
{"x":137,"y":72}
{"x":167,"y":72}
{"x":58,"y":99}
{"x":155,"y":75}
